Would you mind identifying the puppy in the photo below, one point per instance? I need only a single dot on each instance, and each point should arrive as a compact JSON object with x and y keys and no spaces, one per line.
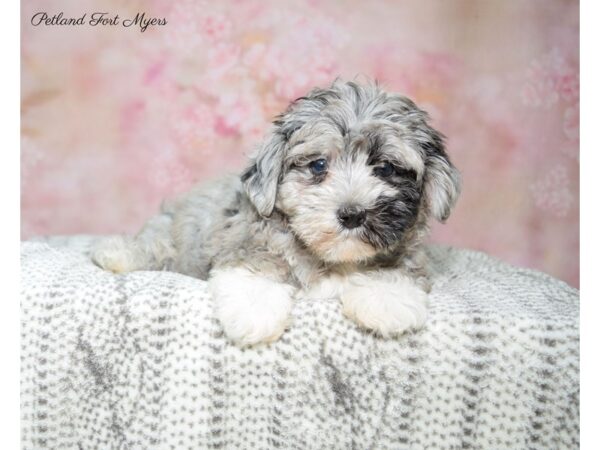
{"x":334,"y":204}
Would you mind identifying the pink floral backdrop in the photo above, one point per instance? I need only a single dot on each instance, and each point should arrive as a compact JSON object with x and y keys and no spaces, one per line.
{"x":114,"y":120}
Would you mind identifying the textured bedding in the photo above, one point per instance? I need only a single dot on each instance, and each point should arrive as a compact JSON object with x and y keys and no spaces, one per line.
{"x":138,"y":361}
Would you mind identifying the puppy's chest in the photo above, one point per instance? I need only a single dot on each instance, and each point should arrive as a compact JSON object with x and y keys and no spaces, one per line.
{"x":311,"y":276}
{"x":325,"y":286}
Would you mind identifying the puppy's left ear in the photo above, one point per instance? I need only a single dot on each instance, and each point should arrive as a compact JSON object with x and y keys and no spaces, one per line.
{"x":260,"y":180}
{"x":442,"y":179}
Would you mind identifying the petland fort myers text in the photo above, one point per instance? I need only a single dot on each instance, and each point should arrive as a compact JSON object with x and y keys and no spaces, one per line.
{"x":97,"y":19}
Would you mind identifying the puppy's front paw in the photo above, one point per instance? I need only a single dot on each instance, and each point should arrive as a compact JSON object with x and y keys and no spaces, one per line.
{"x":252,"y":309}
{"x":388,"y":307}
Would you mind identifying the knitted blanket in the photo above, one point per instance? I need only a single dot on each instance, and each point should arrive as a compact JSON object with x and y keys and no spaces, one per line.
{"x":137,"y":361}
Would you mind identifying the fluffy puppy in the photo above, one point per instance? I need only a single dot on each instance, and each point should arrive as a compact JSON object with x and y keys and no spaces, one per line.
{"x":334,"y":204}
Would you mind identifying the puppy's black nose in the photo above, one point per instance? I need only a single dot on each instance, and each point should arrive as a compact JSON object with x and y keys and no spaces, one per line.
{"x":351,"y":216}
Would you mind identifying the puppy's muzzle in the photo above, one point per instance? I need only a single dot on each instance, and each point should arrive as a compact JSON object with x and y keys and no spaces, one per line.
{"x":351,"y":216}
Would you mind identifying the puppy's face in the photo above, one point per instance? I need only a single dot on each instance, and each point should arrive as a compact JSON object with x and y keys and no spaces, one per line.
{"x":353,"y":169}
{"x":350,"y":193}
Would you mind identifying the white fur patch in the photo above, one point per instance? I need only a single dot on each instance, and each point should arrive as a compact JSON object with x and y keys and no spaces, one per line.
{"x":326,"y":287}
{"x":251,"y":308}
{"x":388,"y":305}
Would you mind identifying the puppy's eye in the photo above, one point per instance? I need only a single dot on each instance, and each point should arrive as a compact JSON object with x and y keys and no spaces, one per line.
{"x":385,"y":170}
{"x":406,"y":173}
{"x":318,"y":166}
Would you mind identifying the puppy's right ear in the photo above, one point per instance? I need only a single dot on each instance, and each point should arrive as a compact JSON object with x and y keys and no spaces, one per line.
{"x":261,"y":179}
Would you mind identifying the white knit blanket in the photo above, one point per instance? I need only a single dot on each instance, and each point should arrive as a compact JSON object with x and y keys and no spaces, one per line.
{"x":137,"y":361}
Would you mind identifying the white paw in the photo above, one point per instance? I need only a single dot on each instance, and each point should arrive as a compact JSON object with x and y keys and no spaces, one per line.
{"x":252,"y":309}
{"x":115,"y":254}
{"x":388,"y":307}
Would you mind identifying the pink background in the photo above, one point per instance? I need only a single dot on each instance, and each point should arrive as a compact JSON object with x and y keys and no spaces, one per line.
{"x":114,"y":120}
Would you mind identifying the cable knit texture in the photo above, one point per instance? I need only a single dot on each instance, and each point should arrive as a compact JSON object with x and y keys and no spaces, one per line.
{"x":138,"y":361}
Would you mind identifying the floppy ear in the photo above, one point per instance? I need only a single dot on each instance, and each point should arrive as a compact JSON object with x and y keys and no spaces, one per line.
{"x":442,"y":180}
{"x":260,"y":180}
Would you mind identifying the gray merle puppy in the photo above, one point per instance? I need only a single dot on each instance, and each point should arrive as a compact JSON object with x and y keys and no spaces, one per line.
{"x":334,"y":204}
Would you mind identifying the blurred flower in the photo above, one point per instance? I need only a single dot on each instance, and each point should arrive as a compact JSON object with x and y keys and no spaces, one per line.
{"x":216,"y":26}
{"x":167,"y":173}
{"x":551,"y":192}
{"x":192,"y":125}
{"x":31,"y":156}
{"x":549,"y":79}
{"x":222,"y":58}
{"x":239,"y":113}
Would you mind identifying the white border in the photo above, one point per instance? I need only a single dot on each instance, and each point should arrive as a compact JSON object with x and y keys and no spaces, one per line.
{"x":9,"y":231}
